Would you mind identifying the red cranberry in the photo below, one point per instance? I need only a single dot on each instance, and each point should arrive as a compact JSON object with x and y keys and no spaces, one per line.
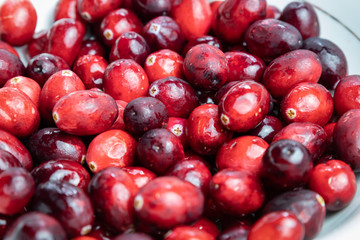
{"x":119,"y":122}
{"x":272,"y":12}
{"x":140,"y":175}
{"x":37,"y":44}
{"x":332,"y":58}
{"x":268,"y":128}
{"x":206,"y":39}
{"x":207,"y":225}
{"x":69,"y":204}
{"x":10,"y":66}
{"x":100,"y":233}
{"x":112,"y":191}
{"x":143,"y":114}
{"x":302,"y":15}
{"x":188,"y":232}
{"x":133,"y":236}
{"x":223,"y":90}
{"x":177,"y":126}
{"x":91,"y":46}
{"x":90,"y":69}
{"x":26,"y":85}
{"x":166,"y":202}
{"x":244,"y":106}
{"x":236,"y":191}
{"x":18,"y":21}
{"x":111,"y":148}
{"x":16,"y":189}
{"x":33,"y":225}
{"x":345,"y":96}
{"x":149,"y":9}
{"x":289,"y":69}
{"x":307,"y":205}
{"x":67,"y":9}
{"x":8,"y":47}
{"x":204,"y":132}
{"x":233,"y":18}
{"x":7,"y":160}
{"x":93,"y":10}
{"x":237,"y":232}
{"x":281,"y":225}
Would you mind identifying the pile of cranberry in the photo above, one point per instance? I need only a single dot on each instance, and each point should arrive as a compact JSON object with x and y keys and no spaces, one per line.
{"x":175,"y":120}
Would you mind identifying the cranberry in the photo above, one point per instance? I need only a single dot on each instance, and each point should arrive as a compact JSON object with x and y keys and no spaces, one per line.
{"x":149,"y":9}
{"x":18,"y":21}
{"x":133,"y":236}
{"x":236,"y":191}
{"x":119,"y":122}
{"x":302,"y":15}
{"x":307,"y":205}
{"x":67,"y":9}
{"x":207,"y":225}
{"x":10,"y":66}
{"x":8,"y":47}
{"x":188,"y":232}
{"x":272,"y":12}
{"x":26,"y":85}
{"x":91,"y":46}
{"x":206,"y":39}
{"x":33,"y":225}
{"x":118,"y":22}
{"x":281,"y":225}
{"x":110,"y":148}
{"x":112,"y":191}
{"x":223,"y":90}
{"x":345,"y":96}
{"x":244,"y":106}
{"x":332,"y":58}
{"x":100,"y":233}
{"x":143,"y":114}
{"x":233,"y":18}
{"x":237,"y":232}
{"x":93,"y":10}
{"x":84,"y":238}
{"x":177,"y":126}
{"x":125,"y":80}
{"x":140,"y":175}
{"x":69,"y":204}
{"x":204,"y":132}
{"x":289,"y":69}
{"x":16,"y":189}
{"x":37,"y":44}
{"x":7,"y":160}
{"x":166,"y":202}
{"x":164,"y":63}
{"x":90,"y":69}
{"x":268,"y":128}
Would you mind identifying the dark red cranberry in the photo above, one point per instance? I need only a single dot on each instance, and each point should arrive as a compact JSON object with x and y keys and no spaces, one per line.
{"x":145,"y":113}
{"x":7,"y":160}
{"x":99,"y":232}
{"x":329,"y":129}
{"x":345,"y":95}
{"x":268,"y":128}
{"x":91,"y":46}
{"x":37,"y":44}
{"x":332,"y":58}
{"x":302,"y":15}
{"x":90,"y":69}
{"x":207,"y":225}
{"x":177,"y":126}
{"x":307,"y":205}
{"x":8,"y":47}
{"x":10,"y":66}
{"x":188,"y":232}
{"x":133,"y":236}
{"x":112,"y":192}
{"x":237,"y":232}
{"x":272,"y":12}
{"x":149,"y":9}
{"x":140,"y":175}
{"x":69,"y":204}
{"x":164,"y":33}
{"x":94,"y":11}
{"x":206,"y":39}
{"x":35,"y":225}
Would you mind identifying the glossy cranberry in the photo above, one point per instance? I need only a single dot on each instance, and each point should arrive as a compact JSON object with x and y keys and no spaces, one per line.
{"x":18,"y":21}
{"x":67,"y":9}
{"x":7,"y":160}
{"x":236,"y":191}
{"x":244,"y":66}
{"x":118,"y":22}
{"x":332,"y":58}
{"x":125,"y":80}
{"x":307,"y":205}
{"x":272,"y":12}
{"x":58,"y":85}
{"x":140,"y":175}
{"x":205,"y":224}
{"x":244,"y":106}
{"x":204,"y":132}
{"x":93,"y":10}
{"x":302,"y":15}
{"x":42,"y":66}
{"x":119,"y":122}
{"x":91,"y":46}
{"x":164,"y":63}
{"x":233,"y":18}
{"x":345,"y":95}
{"x":307,"y":102}
{"x":133,"y":236}
{"x":206,"y":39}
{"x":69,"y":204}
{"x":90,"y":69}
{"x":166,"y":202}
{"x":100,"y":109}
{"x":237,"y":232}
{"x":188,"y":232}
{"x":223,"y":90}
{"x":26,"y":85}
{"x":270,"y":38}
{"x":10,"y":66}
{"x":289,"y":69}
{"x":8,"y":47}
{"x":37,"y":44}
{"x":149,"y":9}
{"x":268,"y":128}
{"x":33,"y":225}
{"x":193,"y":16}
{"x":282,"y":225}
{"x":177,"y":126}
{"x":143,"y":114}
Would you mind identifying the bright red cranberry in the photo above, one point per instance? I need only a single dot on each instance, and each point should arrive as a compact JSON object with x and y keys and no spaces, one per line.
{"x":223,"y":90}
{"x":188,"y":232}
{"x":236,"y":191}
{"x":307,"y":205}
{"x":118,"y":22}
{"x":143,"y":114}
{"x":332,"y":58}
{"x":244,"y":66}
{"x":289,"y":69}
{"x":272,"y":12}
{"x":37,"y":44}
{"x":177,"y":126}
{"x":10,"y":66}
{"x":237,"y":232}
{"x":205,"y":224}
{"x":7,"y":160}
{"x":193,"y":16}
{"x":42,"y":66}
{"x":133,"y":236}
{"x":268,"y":128}
{"x":164,"y":63}
{"x":233,"y":18}
{"x":119,"y":122}
{"x":166,"y":202}
{"x":125,"y":80}
{"x":99,"y":108}
{"x":8,"y":47}
{"x":140,"y":175}
{"x":281,"y":225}
{"x":111,"y":148}
{"x":244,"y":152}
{"x":67,"y":9}
{"x":204,"y":132}
{"x":93,"y":10}
{"x":206,"y":39}
{"x":244,"y":106}
{"x":302,"y":15}
{"x":307,"y":102}
{"x":149,"y":9}
{"x":345,"y":96}
{"x":335,"y":182}
{"x":91,"y":46}
{"x":18,"y":21}
{"x":26,"y":85}
{"x":90,"y":69}
{"x":270,"y":38}
{"x":35,"y":224}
